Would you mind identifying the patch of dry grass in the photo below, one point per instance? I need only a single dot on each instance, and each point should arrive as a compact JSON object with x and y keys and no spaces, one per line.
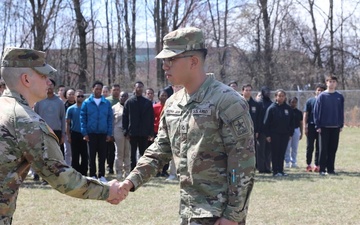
{"x":301,"y":198}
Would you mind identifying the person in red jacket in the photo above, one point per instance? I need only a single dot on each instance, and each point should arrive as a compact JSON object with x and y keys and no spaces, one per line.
{"x":158,"y":108}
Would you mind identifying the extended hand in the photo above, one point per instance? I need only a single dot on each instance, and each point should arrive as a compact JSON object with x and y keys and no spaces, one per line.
{"x":115,"y":196}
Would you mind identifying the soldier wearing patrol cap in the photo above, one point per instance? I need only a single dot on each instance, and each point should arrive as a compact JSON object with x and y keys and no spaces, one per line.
{"x":26,"y":140}
{"x":207,"y":129}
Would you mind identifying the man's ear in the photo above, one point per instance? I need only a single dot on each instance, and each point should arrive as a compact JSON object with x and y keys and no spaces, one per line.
{"x":25,"y":79}
{"x":194,"y":61}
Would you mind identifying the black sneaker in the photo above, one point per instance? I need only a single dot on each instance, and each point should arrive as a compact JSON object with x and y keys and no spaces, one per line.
{"x":36,"y":177}
{"x":164,"y":174}
{"x":284,"y":174}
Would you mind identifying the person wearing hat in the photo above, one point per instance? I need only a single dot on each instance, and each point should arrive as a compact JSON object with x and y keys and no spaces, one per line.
{"x":26,"y":140}
{"x":208,"y":131}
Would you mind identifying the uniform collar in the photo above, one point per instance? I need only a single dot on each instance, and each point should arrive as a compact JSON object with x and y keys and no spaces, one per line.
{"x":200,"y":94}
{"x":16,"y":95}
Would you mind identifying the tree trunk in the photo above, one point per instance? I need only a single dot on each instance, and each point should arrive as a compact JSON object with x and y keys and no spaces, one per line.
{"x":130,"y":39}
{"x":81,"y":24}
{"x":267,"y":47}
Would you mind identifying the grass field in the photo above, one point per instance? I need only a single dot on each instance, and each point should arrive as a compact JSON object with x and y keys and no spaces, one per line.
{"x":300,"y":198}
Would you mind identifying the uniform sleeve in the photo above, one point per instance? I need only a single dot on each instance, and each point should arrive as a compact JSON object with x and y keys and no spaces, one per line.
{"x":42,"y":151}
{"x":155,"y":157}
{"x":238,"y":137}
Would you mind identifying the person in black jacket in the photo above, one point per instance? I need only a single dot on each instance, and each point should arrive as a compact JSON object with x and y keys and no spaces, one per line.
{"x":263,"y":152}
{"x":254,"y":109}
{"x":138,"y":122}
{"x":279,"y":127}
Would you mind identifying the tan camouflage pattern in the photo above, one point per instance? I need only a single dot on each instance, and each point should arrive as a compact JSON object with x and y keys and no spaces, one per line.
{"x":210,"y":135}
{"x":23,"y":57}
{"x":181,"y":40}
{"x":26,"y":140}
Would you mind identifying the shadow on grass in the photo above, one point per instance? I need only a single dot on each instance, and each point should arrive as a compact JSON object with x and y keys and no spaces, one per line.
{"x":34,"y":185}
{"x":311,"y":177}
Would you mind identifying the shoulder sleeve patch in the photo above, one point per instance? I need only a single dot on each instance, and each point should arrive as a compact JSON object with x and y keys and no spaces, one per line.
{"x":234,"y":111}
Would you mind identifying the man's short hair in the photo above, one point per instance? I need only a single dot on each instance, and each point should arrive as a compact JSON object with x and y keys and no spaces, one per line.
{"x":245,"y":86}
{"x":97,"y":83}
{"x":138,"y":82}
{"x":232,"y":82}
{"x":115,"y":86}
{"x":320,"y":85}
{"x":60,"y":86}
{"x":53,"y":82}
{"x":331,"y":77}
{"x":150,"y":89}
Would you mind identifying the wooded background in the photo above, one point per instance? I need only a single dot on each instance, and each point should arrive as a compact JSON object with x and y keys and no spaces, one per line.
{"x":289,"y":44}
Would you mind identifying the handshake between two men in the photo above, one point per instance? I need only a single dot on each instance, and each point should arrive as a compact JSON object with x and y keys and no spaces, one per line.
{"x":118,"y":191}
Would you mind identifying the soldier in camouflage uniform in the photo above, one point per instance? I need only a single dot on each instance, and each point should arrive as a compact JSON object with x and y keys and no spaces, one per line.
{"x":207,"y":128}
{"x":26,"y":140}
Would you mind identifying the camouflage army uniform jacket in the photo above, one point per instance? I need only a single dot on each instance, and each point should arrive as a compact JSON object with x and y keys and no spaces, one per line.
{"x":26,"y":140}
{"x":210,"y":136}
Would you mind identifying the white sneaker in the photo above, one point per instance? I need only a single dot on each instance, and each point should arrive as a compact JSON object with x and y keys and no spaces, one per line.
{"x":93,"y":177}
{"x":172,"y":177}
{"x":103,"y":179}
{"x":287,"y":165}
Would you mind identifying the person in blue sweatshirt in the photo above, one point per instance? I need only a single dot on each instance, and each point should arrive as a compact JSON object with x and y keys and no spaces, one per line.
{"x":96,"y":119}
{"x":278,"y":127}
{"x":329,"y":121}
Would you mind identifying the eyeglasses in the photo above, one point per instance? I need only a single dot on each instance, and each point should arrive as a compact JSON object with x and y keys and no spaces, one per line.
{"x":80,"y":96}
{"x":168,"y":61}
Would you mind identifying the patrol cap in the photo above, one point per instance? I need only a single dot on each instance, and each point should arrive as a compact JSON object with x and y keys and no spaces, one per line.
{"x":181,"y":40}
{"x":27,"y":58}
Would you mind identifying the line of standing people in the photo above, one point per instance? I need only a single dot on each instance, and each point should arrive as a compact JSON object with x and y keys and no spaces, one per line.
{"x":279,"y":127}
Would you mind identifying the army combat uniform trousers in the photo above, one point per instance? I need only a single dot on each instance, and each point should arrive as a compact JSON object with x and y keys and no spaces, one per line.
{"x":4,"y":220}
{"x":203,"y":221}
